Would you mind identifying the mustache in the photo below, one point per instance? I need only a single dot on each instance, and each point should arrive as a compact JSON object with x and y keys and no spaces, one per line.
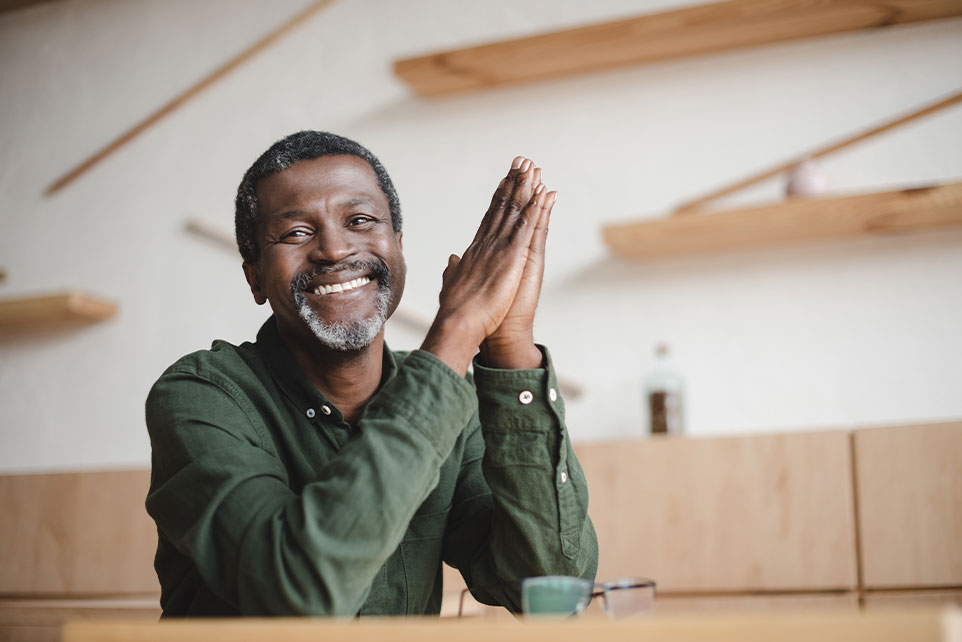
{"x":378,"y":269}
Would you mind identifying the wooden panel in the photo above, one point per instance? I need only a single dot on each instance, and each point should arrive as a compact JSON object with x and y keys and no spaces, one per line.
{"x":909,"y":482}
{"x":29,"y":620}
{"x":69,"y":308}
{"x":665,"y":602}
{"x":754,"y":513}
{"x":821,"y":627}
{"x":913,"y":599}
{"x":734,"y":603}
{"x":753,"y":603}
{"x":792,"y":221}
{"x":77,"y":533}
{"x":703,"y":29}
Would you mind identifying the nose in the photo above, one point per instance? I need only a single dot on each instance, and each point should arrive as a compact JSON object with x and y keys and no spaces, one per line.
{"x":332,"y":244}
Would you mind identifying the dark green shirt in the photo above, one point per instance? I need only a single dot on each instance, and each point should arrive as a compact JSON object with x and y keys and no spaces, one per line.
{"x":268,"y":503}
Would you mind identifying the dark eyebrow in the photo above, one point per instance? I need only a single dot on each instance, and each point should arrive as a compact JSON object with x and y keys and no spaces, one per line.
{"x":351,"y":202}
{"x":268,"y":218}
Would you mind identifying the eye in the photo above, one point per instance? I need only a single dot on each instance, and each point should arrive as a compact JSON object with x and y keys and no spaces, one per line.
{"x":358,"y":220}
{"x":295,"y":235}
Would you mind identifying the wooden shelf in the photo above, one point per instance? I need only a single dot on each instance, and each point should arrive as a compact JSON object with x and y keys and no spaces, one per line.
{"x":792,"y":221}
{"x":65,"y":309}
{"x":696,"y":30}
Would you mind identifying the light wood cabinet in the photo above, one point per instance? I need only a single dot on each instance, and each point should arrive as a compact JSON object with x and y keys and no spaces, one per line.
{"x":76,"y":534}
{"x":909,"y":481}
{"x":758,"y":522}
{"x":753,"y":513}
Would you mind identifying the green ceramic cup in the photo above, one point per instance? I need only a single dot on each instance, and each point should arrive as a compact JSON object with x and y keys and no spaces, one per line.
{"x":556,"y":595}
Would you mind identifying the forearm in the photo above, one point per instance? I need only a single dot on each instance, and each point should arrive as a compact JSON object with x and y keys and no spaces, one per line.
{"x":536,"y":517}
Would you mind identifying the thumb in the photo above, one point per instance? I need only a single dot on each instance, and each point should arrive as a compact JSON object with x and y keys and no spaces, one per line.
{"x":453,"y":261}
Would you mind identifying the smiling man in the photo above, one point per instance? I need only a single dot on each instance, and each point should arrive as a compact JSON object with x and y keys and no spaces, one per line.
{"x":317,"y":472}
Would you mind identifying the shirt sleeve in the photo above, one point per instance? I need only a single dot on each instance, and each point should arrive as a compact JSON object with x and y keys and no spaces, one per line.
{"x":521,"y":509}
{"x":222,"y":499}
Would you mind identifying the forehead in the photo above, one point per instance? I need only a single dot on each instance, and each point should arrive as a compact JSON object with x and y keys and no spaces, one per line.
{"x":326,"y":181}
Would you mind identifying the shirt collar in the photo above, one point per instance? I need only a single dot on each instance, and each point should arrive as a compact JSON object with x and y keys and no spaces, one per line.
{"x":292,"y":380}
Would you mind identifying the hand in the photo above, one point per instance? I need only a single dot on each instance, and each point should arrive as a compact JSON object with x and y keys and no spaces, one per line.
{"x":511,"y":345}
{"x":479,"y":289}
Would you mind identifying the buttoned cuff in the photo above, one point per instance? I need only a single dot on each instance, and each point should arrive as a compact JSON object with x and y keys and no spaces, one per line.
{"x":519,"y":399}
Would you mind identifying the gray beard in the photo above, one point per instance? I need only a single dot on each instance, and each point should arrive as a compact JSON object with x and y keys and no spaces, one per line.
{"x":350,"y":336}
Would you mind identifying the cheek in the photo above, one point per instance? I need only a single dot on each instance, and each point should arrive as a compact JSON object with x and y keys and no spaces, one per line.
{"x":281,"y":270}
{"x":400,"y":276}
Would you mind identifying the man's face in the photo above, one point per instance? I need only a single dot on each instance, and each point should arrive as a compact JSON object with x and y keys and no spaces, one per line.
{"x":330,"y":263}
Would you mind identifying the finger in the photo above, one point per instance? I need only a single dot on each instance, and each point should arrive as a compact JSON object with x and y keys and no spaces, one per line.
{"x":540,"y":235}
{"x":501,"y":197}
{"x":506,"y":186}
{"x":521,"y":196}
{"x":525,"y":223}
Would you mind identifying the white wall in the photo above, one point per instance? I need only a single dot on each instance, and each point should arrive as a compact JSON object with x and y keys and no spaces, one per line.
{"x":825,"y":336}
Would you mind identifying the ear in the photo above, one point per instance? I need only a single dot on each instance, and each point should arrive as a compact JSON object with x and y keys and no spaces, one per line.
{"x":254,"y":280}
{"x":398,"y":236}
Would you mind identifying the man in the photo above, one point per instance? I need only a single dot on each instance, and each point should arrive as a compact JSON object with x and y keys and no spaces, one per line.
{"x":317,"y":472}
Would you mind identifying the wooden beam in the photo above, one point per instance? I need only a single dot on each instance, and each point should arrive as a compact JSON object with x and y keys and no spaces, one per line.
{"x":691,"y":31}
{"x":691,"y":207}
{"x":12,"y":5}
{"x":68,"y":308}
{"x":185,"y":96}
{"x":793,"y":221}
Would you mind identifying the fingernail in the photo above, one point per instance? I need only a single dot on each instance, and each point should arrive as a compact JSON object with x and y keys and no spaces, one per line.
{"x":526,"y":165}
{"x":539,"y":188}
{"x":516,"y":163}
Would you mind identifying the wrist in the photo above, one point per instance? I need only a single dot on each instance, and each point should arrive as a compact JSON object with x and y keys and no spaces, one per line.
{"x":452,"y":341}
{"x":520,"y":355}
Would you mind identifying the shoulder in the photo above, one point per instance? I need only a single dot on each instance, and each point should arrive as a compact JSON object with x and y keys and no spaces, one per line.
{"x":225,"y":366}
{"x":222,"y":360}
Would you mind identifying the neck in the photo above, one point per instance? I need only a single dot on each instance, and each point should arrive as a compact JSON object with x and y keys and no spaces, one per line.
{"x":348,"y":379}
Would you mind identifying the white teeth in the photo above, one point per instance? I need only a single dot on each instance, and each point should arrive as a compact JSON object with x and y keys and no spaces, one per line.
{"x":342,"y":287}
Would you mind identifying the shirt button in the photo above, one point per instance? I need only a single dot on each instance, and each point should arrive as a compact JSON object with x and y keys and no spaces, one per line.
{"x":564,"y":476}
{"x":326,"y":409}
{"x":552,"y":394}
{"x":310,"y":413}
{"x":526,"y":397}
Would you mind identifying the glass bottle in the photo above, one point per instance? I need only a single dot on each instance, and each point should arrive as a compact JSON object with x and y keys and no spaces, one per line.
{"x":663,"y":395}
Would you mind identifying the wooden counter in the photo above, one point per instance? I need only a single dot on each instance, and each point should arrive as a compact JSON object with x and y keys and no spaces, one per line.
{"x":918,"y":626}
